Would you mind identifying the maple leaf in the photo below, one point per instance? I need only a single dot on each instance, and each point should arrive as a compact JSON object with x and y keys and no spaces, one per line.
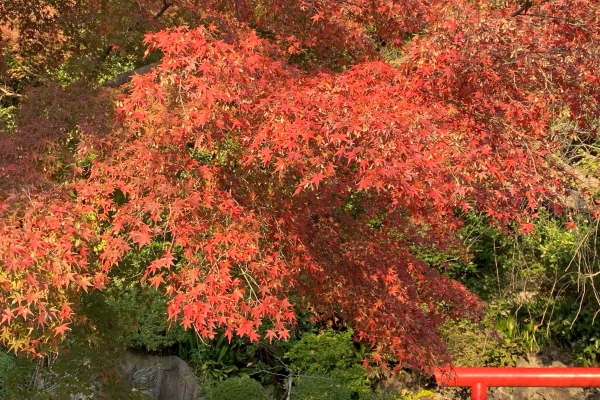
{"x":7,"y":315}
{"x":141,"y":238}
{"x":317,"y":17}
{"x":23,"y":311}
{"x":284,"y":334}
{"x":156,"y":280}
{"x":83,"y":282}
{"x":393,"y":290}
{"x":253,"y":336}
{"x":265,"y":154}
{"x":376,"y":357}
{"x":66,"y":311}
{"x":317,"y":178}
{"x":61,"y":329}
{"x":527,"y":228}
{"x":271,"y":334}
{"x":364,"y":183}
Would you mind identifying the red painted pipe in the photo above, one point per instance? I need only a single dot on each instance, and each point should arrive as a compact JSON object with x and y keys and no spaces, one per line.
{"x":479,"y":379}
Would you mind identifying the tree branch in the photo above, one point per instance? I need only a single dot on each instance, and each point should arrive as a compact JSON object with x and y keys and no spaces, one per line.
{"x":102,"y":58}
{"x":165,"y":7}
{"x":110,"y":47}
{"x":523,"y":9}
{"x":566,"y":19}
{"x":126,"y":76}
{"x":105,"y":53}
{"x":526,"y":6}
{"x":585,"y":184}
{"x":4,"y":92}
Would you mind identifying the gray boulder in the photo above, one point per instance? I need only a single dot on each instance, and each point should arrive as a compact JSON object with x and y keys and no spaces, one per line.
{"x":162,"y":378}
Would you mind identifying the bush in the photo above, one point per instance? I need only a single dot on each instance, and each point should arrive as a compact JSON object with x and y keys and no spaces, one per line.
{"x":320,"y":387}
{"x":238,"y":389}
{"x":330,"y":354}
{"x":470,"y":344}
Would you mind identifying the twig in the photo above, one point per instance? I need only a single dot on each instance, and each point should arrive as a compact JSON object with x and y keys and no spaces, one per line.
{"x":523,"y":9}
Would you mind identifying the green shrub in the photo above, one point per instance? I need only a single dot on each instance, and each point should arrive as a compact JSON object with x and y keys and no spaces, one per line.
{"x":478,"y":345}
{"x":468,"y":343}
{"x":238,"y":389}
{"x":147,"y":308}
{"x":534,"y":284}
{"x":577,"y":330}
{"x":320,"y":387}
{"x":221,"y":358}
{"x":330,"y":354}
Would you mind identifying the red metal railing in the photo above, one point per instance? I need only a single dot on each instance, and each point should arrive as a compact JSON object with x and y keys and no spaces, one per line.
{"x":479,"y":379}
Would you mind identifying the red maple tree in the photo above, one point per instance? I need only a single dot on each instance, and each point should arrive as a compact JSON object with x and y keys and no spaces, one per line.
{"x":276,"y":155}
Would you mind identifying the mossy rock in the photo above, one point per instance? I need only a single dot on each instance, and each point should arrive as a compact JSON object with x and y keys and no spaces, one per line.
{"x":238,"y":389}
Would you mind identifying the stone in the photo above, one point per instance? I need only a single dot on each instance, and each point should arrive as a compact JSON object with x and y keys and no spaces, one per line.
{"x":500,"y":393}
{"x":162,"y":378}
{"x":558,"y":393}
{"x":555,"y":355}
{"x":523,"y":393}
{"x":536,"y":393}
{"x":592,"y":394}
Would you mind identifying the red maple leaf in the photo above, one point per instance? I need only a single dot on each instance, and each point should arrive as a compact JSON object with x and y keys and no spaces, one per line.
{"x":61,"y":329}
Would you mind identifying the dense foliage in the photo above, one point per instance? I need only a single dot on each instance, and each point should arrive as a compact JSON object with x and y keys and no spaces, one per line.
{"x":320,"y":387}
{"x":238,"y":389}
{"x":329,"y":355}
{"x":270,"y":156}
{"x":7,"y":363}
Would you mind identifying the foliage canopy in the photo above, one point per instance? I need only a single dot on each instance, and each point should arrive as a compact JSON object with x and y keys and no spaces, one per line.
{"x":272,"y":154}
